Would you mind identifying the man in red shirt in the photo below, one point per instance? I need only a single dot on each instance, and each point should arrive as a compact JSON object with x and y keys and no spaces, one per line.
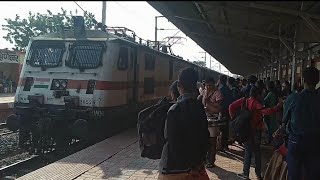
{"x":257,"y":125}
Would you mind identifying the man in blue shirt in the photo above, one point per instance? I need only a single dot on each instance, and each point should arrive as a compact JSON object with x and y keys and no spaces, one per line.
{"x":246,"y":90}
{"x":234,"y":88}
{"x":301,"y":119}
{"x":227,"y":100}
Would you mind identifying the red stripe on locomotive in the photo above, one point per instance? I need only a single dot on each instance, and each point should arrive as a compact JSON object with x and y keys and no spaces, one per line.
{"x":77,"y":84}
{"x":111,"y":85}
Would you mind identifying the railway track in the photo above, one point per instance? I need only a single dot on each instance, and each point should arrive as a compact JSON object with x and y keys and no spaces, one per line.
{"x":7,"y":132}
{"x":16,"y":162}
{"x":8,"y":140}
{"x":4,"y":130}
{"x":11,"y":169}
{"x":34,"y":162}
{"x":3,"y":125}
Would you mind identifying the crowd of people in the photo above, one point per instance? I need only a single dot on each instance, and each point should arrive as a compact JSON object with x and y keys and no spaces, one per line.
{"x":7,"y":85}
{"x":190,"y":147}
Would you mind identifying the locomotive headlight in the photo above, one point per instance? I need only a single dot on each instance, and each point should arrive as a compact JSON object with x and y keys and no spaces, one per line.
{"x":63,"y":84}
{"x":56,"y":84}
{"x":59,"y":84}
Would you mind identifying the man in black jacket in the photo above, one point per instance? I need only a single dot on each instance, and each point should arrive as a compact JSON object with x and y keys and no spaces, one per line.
{"x":186,"y":133}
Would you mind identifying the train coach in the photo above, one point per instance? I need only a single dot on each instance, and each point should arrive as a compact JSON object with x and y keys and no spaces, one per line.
{"x":86,"y":84}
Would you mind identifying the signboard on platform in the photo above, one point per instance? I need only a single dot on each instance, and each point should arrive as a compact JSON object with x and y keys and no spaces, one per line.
{"x":9,"y":57}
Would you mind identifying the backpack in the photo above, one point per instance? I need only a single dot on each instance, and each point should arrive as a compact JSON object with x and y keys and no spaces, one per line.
{"x":151,"y":123}
{"x":240,"y":127}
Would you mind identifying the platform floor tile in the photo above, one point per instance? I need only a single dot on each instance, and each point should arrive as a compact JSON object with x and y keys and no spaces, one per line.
{"x":128,"y":165}
{"x":118,"y":158}
{"x":78,"y":163}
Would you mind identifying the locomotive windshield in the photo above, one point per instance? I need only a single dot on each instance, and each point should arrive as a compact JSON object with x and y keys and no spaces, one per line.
{"x":46,"y":53}
{"x":85,"y":55}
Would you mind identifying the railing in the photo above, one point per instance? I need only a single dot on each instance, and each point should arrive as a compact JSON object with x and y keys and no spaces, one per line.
{"x":131,"y":36}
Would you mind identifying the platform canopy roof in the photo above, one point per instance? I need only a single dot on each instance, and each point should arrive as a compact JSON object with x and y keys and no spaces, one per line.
{"x":247,"y":36}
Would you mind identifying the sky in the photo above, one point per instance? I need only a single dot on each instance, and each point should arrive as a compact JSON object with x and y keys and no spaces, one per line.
{"x":138,"y":16}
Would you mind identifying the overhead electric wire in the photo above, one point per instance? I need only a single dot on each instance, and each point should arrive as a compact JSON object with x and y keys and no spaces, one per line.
{"x":79,"y":6}
{"x":132,"y":12}
{"x":171,"y":37}
{"x":135,"y":13}
{"x":85,"y":12}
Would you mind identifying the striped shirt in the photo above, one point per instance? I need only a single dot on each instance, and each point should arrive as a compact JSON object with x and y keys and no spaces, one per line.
{"x":213,"y":97}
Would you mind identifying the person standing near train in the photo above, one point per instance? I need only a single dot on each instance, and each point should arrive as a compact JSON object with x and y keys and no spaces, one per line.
{"x":174,"y":92}
{"x":212,"y":101}
{"x":252,"y":145}
{"x":269,"y":101}
{"x":227,"y":100}
{"x":246,"y":90}
{"x":183,"y":154}
{"x":301,"y":120}
{"x":232,"y":83}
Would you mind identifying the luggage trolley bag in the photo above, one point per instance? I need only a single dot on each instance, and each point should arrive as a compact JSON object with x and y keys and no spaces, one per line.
{"x":215,"y":123}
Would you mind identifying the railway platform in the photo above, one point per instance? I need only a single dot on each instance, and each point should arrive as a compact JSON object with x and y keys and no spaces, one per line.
{"x":119,"y":158}
{"x":6,"y":100}
{"x":6,"y":105}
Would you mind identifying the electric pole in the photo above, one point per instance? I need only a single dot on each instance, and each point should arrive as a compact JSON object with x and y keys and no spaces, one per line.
{"x":104,"y":12}
{"x":205,"y":57}
{"x":156,"y":29}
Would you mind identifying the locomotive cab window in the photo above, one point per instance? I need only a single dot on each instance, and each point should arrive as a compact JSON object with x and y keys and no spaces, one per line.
{"x":123,"y":60}
{"x":45,"y":54}
{"x":149,"y":62}
{"x":85,"y":55}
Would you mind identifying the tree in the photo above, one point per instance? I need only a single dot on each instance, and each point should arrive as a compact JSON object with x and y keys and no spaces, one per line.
{"x":200,"y":63}
{"x":21,"y":30}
